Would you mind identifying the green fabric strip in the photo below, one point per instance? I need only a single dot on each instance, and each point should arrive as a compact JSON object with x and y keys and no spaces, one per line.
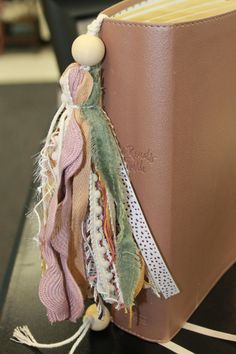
{"x":106,"y":158}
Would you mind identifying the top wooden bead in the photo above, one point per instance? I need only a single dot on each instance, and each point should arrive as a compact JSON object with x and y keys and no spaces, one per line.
{"x":88,"y":50}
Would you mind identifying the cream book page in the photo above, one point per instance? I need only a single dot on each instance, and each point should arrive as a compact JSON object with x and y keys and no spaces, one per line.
{"x":174,"y":11}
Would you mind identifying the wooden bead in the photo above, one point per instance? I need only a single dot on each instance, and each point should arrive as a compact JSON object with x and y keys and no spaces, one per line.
{"x":88,"y":50}
{"x":96,"y":324}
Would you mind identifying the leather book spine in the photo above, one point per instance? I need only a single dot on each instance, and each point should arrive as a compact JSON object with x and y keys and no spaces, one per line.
{"x":170,"y":93}
{"x":138,"y":97}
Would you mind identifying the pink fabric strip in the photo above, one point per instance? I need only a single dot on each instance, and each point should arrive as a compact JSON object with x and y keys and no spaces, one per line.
{"x":58,"y":291}
{"x":76,"y":76}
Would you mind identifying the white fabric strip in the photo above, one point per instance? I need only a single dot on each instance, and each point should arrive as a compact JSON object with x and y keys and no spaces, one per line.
{"x":209,"y":332}
{"x":146,"y":243}
{"x":104,"y":274}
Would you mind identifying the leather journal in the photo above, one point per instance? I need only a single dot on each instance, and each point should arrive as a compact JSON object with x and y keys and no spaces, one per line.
{"x":170,"y":92}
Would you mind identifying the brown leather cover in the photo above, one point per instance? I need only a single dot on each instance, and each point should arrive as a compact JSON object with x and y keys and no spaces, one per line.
{"x":170,"y":91}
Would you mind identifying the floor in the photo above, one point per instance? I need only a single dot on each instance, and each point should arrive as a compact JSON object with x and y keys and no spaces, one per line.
{"x":28,"y":100}
{"x":32,"y":67}
{"x":28,"y":67}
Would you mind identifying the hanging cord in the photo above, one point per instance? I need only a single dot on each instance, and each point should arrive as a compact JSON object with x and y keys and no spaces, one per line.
{"x":94,"y":27}
{"x":23,"y":335}
{"x":78,"y":341}
{"x":91,"y":320}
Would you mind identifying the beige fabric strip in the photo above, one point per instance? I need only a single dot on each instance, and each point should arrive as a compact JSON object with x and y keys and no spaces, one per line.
{"x":80,"y":192}
{"x":79,"y":207}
